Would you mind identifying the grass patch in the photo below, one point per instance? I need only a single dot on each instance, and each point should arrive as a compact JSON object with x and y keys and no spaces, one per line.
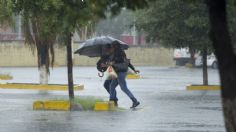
{"x":87,"y":103}
{"x":5,"y":76}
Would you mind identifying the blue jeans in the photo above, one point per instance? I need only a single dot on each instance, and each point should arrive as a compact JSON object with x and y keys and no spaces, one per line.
{"x":106,"y":85}
{"x":122,"y":82}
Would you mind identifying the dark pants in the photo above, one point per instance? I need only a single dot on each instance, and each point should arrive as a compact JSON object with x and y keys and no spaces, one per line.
{"x":122,"y":82}
{"x":106,"y":85}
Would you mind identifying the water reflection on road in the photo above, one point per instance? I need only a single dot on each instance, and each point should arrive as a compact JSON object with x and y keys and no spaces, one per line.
{"x":165,"y":104}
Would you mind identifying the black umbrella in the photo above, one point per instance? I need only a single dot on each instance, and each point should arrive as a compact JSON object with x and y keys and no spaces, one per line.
{"x":94,"y":47}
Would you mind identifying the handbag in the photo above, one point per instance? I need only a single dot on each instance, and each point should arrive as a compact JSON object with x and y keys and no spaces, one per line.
{"x":122,"y":67}
{"x":100,"y":61}
{"x":110,"y":73}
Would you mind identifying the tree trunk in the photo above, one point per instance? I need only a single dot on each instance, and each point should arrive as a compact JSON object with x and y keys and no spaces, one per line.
{"x":43,"y":75}
{"x":43,"y":62}
{"x":192,"y":56}
{"x":70,"y":68}
{"x":204,"y":67}
{"x":226,"y":60}
{"x":85,"y":32}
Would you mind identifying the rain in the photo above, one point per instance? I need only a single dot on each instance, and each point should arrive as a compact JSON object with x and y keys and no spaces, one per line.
{"x":120,"y":66}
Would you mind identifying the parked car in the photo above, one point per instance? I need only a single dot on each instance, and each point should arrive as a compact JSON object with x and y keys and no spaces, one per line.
{"x":211,"y":61}
{"x":181,"y":56}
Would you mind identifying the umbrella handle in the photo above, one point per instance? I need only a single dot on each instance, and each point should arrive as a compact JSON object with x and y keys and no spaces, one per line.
{"x":101,"y":74}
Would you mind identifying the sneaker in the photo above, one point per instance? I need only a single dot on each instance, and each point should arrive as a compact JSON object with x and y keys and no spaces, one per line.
{"x":135,"y":104}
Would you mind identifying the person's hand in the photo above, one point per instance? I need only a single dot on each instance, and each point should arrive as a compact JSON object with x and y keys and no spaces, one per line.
{"x":136,"y":71}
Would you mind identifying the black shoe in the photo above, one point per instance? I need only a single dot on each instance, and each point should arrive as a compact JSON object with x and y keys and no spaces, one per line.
{"x":135,"y":104}
{"x":116,"y":103}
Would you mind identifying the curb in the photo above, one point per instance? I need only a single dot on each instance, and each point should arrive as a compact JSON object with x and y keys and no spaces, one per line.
{"x":203,"y":87}
{"x":51,"y":105}
{"x":133,"y":76}
{"x":104,"y":106}
{"x":6,"y":77}
{"x":32,"y":86}
{"x":60,"y":105}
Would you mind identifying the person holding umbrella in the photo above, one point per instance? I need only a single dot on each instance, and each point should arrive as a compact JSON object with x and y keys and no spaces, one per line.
{"x":120,"y":63}
{"x":93,"y":48}
{"x":102,"y":66}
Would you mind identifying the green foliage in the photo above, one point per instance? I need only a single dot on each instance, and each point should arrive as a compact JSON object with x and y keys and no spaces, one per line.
{"x":64,"y":16}
{"x":181,"y":23}
{"x":90,"y":11}
{"x":45,"y":20}
{"x":87,"y":103}
{"x":41,"y":25}
{"x":176,"y":23}
{"x":6,"y":17}
{"x":231,"y":10}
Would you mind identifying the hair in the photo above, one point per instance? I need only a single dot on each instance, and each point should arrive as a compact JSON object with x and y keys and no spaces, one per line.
{"x":116,"y":44}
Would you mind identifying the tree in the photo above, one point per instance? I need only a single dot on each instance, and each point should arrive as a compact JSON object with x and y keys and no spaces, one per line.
{"x":177,"y":24}
{"x":73,"y":13}
{"x":40,"y":30}
{"x":6,"y":17}
{"x":44,"y":21}
{"x":225,"y":54}
{"x":222,"y":35}
{"x":115,"y":26}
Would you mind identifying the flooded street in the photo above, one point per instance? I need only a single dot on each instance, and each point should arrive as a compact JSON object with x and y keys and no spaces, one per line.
{"x":166,"y":105}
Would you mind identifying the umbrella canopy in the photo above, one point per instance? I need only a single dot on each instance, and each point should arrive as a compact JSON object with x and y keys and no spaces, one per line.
{"x":94,"y":47}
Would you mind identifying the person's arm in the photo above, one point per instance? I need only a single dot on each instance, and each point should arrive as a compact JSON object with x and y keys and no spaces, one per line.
{"x":132,"y":67}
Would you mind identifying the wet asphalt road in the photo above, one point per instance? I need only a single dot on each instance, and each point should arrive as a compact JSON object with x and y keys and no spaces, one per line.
{"x":165,"y":104}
